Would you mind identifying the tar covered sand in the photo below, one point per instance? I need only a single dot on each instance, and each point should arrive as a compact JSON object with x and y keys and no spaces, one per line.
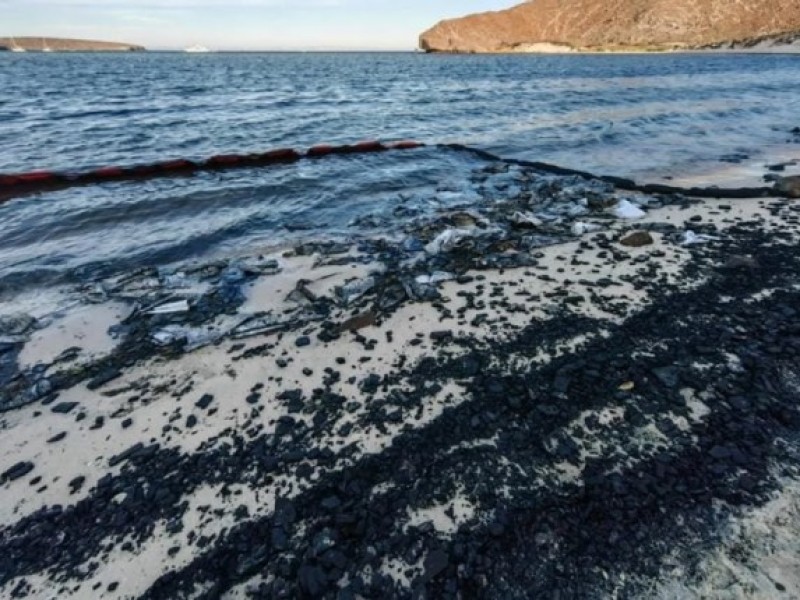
{"x":558,"y":390}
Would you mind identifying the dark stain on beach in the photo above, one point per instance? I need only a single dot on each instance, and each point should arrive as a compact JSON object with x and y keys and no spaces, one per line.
{"x":632,"y":505}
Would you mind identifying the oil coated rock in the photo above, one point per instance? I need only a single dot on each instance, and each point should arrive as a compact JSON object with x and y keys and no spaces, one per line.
{"x":637,"y":239}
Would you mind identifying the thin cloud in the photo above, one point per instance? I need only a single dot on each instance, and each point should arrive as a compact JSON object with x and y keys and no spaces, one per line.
{"x":173,"y":4}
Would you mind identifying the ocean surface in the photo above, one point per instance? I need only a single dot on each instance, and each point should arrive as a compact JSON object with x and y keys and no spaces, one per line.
{"x":633,"y":115}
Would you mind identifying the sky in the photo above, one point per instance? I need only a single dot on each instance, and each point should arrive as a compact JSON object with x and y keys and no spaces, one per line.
{"x":238,"y":24}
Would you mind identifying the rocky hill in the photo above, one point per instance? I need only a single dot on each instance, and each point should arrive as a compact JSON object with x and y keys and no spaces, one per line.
{"x":38,"y":44}
{"x":619,"y":25}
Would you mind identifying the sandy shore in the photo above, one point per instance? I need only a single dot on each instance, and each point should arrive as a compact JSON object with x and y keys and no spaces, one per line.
{"x":606,"y":420}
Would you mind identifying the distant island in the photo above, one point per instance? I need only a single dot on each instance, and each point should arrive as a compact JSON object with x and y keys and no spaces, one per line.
{"x":546,"y":26}
{"x":48,"y":44}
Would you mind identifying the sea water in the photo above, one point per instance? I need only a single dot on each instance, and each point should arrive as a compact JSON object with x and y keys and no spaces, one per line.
{"x":639,"y":116}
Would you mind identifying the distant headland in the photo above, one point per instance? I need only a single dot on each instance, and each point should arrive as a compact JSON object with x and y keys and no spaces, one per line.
{"x":48,"y":44}
{"x":541,"y":26}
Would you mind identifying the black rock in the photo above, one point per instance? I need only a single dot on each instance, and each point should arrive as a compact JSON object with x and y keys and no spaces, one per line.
{"x":469,"y":366}
{"x":57,"y":438}
{"x":285,"y":513}
{"x":76,"y":484}
{"x":18,"y":470}
{"x":495,"y":388}
{"x":304,"y":471}
{"x":371,"y":383}
{"x":302,"y":341}
{"x":127,"y":423}
{"x":312,"y":580}
{"x":63,"y":408}
{"x":132,"y":452}
{"x":204,"y":402}
{"x":740,"y":262}
{"x":668,"y":376}
{"x":103,"y":377}
{"x":191,"y":421}
{"x":291,"y":395}
{"x":331,"y":503}
{"x":515,"y":402}
{"x":280,"y":541}
{"x":549,"y":410}
{"x":720,"y":452}
{"x":562,"y":382}
{"x":441,"y":335}
{"x":435,"y":563}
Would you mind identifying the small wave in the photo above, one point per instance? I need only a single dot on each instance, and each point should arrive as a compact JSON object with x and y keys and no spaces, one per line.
{"x":621,"y":115}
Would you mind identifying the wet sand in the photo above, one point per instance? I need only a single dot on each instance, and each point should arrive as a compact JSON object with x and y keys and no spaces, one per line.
{"x":604,"y":420}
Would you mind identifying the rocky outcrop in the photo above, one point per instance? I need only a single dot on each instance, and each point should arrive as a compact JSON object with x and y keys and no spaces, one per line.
{"x":596,"y":25}
{"x":39,"y":44}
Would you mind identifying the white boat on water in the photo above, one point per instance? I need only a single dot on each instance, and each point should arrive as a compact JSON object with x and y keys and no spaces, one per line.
{"x":45,"y":47}
{"x":197,"y":50}
{"x":15,"y":47}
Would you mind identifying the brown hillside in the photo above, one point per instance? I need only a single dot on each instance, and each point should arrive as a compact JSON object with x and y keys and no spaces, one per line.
{"x":616,"y":24}
{"x":37,"y":44}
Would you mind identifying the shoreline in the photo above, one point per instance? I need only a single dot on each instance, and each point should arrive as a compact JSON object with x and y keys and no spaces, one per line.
{"x":545,"y":48}
{"x":502,"y":400}
{"x":576,"y":52}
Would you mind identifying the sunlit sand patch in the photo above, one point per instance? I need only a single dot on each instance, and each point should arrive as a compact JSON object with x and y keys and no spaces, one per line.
{"x":213,"y":370}
{"x":85,"y":328}
{"x":695,"y":404}
{"x":270,"y":293}
{"x":446,"y":517}
{"x":487,"y":443}
{"x":402,"y":573}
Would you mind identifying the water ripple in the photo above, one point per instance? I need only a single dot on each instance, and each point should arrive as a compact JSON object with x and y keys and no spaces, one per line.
{"x":624,"y":115}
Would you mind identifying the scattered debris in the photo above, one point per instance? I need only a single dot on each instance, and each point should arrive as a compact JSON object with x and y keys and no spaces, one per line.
{"x":580,"y":228}
{"x":448,"y":240}
{"x":167,"y":308}
{"x":434,"y":278}
{"x":627,"y":210}
{"x":352,"y":291}
{"x":690,"y":238}
{"x":261,"y":324}
{"x":597,"y":429}
{"x":523,"y":219}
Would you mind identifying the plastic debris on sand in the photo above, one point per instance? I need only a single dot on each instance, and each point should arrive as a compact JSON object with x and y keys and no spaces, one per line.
{"x":448,"y":240}
{"x":626,"y":209}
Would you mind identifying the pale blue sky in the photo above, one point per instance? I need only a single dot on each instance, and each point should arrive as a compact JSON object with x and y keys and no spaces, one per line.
{"x":238,"y":24}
